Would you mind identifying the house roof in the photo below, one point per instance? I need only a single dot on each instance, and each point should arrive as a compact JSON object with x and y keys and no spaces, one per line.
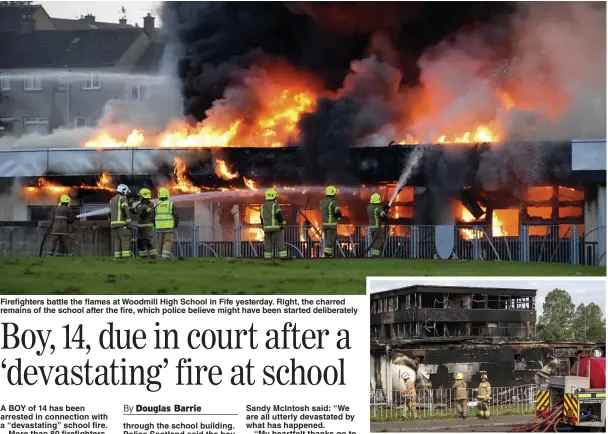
{"x":149,"y":62}
{"x":65,"y":48}
{"x":10,"y":16}
{"x":83,"y":24}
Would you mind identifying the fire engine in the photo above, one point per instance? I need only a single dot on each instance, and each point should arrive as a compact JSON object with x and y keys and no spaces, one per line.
{"x":578,"y":399}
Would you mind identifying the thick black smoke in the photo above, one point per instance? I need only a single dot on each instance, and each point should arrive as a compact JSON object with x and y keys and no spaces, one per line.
{"x":220,"y":40}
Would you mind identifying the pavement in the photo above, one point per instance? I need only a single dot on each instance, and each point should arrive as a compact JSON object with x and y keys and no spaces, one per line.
{"x":470,"y":424}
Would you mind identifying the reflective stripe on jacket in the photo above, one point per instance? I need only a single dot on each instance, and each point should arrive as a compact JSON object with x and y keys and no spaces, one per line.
{"x":329,"y":209}
{"x":376,"y":215}
{"x":461,"y":389}
{"x":484,"y":390}
{"x":268,"y":215}
{"x":119,"y":211}
{"x":163,"y":219}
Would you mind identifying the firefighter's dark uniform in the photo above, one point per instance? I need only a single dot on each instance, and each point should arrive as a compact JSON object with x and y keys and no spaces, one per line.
{"x":120,"y":224}
{"x":145,"y":228}
{"x":273,"y":224}
{"x":60,"y":232}
{"x":330,"y":213}
{"x":377,"y":218}
{"x":165,"y":221}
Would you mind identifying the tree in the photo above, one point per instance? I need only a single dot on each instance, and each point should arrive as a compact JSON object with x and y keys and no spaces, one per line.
{"x":556,"y":320}
{"x":588,"y":323}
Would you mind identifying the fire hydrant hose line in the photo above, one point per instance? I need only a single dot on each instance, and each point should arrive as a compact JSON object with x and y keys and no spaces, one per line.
{"x":551,"y":421}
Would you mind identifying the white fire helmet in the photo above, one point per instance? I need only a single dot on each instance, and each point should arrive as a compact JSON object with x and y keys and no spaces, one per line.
{"x":123,"y":189}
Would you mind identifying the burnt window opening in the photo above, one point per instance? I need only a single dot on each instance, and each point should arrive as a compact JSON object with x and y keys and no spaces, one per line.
{"x":498,"y":301}
{"x":427,"y":301}
{"x":517,"y":357}
{"x":479,"y":301}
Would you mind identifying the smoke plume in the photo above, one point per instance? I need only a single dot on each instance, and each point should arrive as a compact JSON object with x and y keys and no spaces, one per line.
{"x":390,"y":71}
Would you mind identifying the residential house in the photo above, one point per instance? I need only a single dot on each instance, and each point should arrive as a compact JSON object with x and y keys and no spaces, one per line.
{"x":64,"y":76}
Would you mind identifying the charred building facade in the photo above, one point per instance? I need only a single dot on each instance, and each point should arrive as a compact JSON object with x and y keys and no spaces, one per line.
{"x":513,"y":201}
{"x":429,"y":311}
{"x":434,"y":332}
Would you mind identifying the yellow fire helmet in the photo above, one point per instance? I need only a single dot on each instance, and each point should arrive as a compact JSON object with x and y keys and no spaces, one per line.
{"x":331,"y":191}
{"x":271,"y":194}
{"x":484,"y":377}
{"x":375,"y":198}
{"x":64,"y":199}
{"x":163,"y":193}
{"x":459,"y":376}
{"x":145,"y":193}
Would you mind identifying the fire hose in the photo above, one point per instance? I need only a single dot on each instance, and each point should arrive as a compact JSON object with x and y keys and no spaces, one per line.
{"x":550,"y":421}
{"x":46,"y":233}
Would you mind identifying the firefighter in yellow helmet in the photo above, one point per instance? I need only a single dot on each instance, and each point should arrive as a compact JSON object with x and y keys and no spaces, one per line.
{"x":62,"y":225}
{"x":484,"y":393}
{"x":120,"y":222}
{"x":144,"y":211}
{"x":330,"y":213}
{"x":409,"y":397}
{"x":460,"y":395}
{"x":273,"y":224}
{"x":377,"y":219}
{"x":166,"y":220}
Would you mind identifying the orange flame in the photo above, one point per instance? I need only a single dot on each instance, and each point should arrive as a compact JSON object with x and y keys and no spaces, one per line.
{"x":105,"y":140}
{"x":221,"y":170}
{"x":252,"y":217}
{"x":182,"y":183}
{"x":48,"y":186}
{"x":250,"y":184}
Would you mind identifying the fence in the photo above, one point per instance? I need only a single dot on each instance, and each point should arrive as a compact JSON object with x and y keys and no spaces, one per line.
{"x":558,"y":244}
{"x":440,"y":403}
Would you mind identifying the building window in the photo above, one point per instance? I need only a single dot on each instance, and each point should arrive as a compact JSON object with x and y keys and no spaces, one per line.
{"x":32,"y":82}
{"x":62,"y":84}
{"x":80,"y":122}
{"x":91,"y":81}
{"x":5,"y":82}
{"x":36,"y":125}
{"x":138,"y":92}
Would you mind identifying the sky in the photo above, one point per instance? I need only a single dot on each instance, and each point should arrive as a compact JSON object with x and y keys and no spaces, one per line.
{"x":104,"y":11}
{"x":581,"y":290}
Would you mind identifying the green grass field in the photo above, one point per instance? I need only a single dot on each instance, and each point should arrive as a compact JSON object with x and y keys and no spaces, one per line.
{"x":241,"y":276}
{"x":386,"y":415}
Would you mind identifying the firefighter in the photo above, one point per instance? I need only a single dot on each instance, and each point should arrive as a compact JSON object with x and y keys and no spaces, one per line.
{"x":377,"y":219}
{"x":331,"y":214}
{"x":166,"y":220}
{"x":145,"y":224}
{"x":484,"y":393}
{"x":409,"y":397}
{"x":62,"y":225}
{"x":120,"y":222}
{"x":273,"y":224}
{"x":460,"y":390}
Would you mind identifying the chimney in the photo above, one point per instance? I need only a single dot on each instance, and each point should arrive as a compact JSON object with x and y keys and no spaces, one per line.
{"x":149,"y":24}
{"x":89,"y":18}
{"x":28,"y":24}
{"x":122,"y":21}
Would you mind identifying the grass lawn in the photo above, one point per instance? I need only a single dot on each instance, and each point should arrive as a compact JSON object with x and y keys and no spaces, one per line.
{"x":83,"y":275}
{"x":386,"y":415}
